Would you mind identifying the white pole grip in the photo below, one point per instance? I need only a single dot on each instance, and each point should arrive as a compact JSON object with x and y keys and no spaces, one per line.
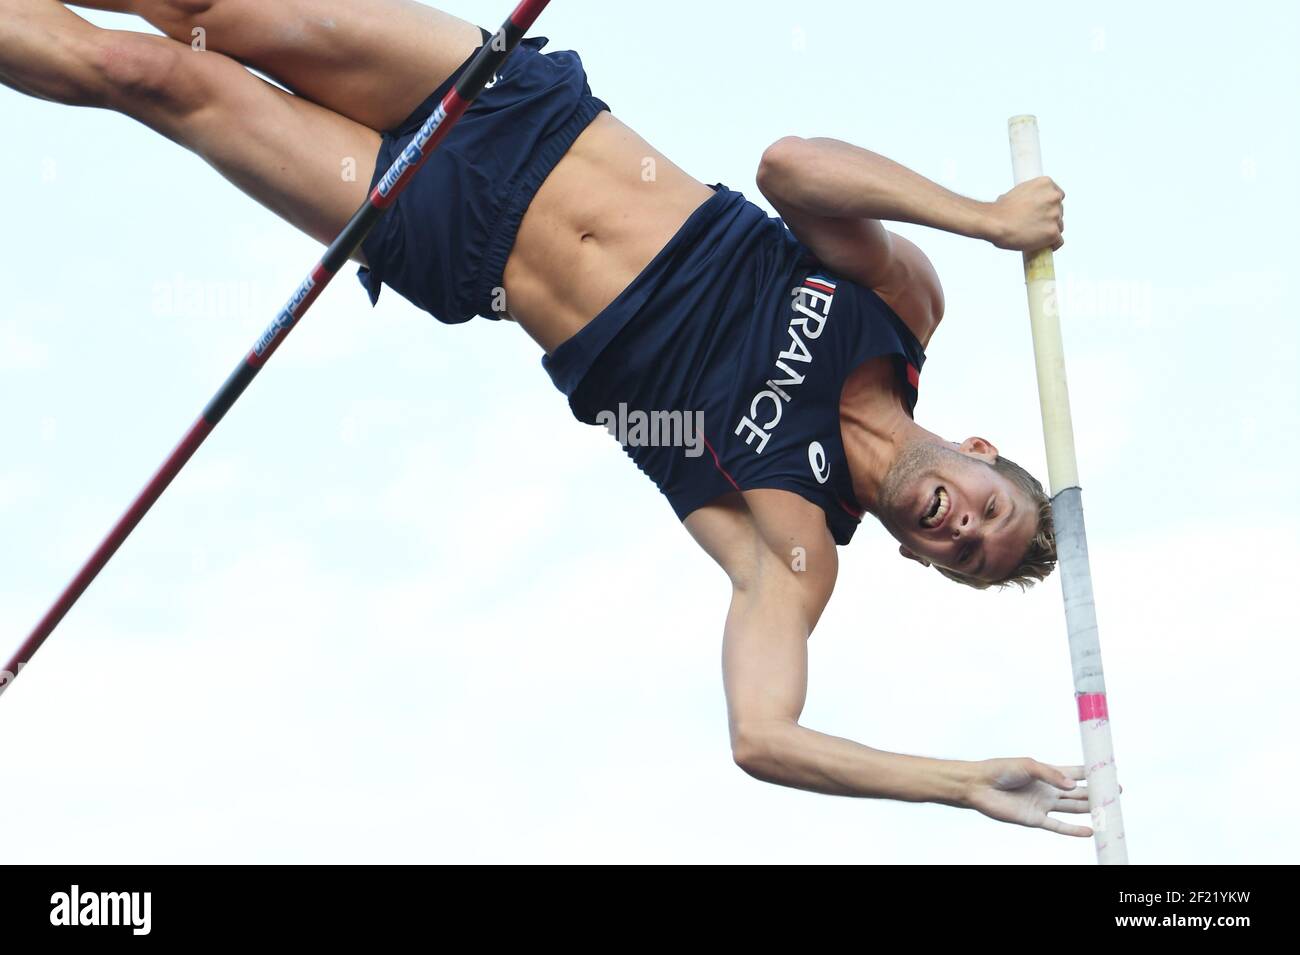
{"x":1044,"y":319}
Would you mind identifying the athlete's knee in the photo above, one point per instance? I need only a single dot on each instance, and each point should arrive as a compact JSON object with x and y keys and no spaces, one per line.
{"x":226,"y":25}
{"x":135,"y":69}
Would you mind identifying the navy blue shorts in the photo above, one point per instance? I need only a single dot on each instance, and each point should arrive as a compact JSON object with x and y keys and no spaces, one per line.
{"x":443,"y":244}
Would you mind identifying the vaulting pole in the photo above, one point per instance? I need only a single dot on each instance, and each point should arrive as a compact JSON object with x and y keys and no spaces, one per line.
{"x":1067,"y":510}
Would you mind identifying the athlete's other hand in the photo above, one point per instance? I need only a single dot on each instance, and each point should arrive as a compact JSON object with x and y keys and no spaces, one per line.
{"x":1024,"y":791}
{"x":1029,"y":217}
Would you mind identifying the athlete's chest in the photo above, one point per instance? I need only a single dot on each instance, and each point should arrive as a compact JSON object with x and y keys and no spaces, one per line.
{"x":839,"y":352}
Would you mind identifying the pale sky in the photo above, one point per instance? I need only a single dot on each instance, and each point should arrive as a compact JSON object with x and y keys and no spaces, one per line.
{"x":402,"y":607}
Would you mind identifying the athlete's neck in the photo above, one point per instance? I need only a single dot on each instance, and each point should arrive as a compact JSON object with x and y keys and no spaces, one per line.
{"x":875,"y":429}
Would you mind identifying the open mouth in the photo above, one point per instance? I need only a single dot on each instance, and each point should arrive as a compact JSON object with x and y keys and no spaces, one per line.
{"x":937,"y":512}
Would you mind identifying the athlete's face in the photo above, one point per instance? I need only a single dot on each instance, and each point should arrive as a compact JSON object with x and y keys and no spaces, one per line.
{"x":946,"y":505}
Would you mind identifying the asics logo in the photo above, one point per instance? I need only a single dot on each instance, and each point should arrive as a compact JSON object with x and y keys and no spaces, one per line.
{"x":821,"y":468}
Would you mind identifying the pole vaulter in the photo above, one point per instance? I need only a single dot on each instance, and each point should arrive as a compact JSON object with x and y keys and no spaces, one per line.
{"x":778,"y":358}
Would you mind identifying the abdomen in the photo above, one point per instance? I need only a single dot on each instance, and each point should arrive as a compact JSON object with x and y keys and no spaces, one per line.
{"x":600,"y":217}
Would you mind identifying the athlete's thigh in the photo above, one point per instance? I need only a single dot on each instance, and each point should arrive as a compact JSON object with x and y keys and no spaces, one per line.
{"x":372,"y":62}
{"x":307,"y":164}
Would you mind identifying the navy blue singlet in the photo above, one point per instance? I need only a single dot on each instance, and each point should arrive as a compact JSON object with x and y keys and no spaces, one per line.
{"x":736,"y":324}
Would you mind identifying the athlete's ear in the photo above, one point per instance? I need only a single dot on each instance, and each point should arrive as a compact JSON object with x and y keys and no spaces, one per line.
{"x":916,"y":557}
{"x":980,"y":447}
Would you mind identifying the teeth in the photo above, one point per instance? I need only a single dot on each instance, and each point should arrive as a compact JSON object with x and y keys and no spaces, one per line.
{"x":936,"y":516}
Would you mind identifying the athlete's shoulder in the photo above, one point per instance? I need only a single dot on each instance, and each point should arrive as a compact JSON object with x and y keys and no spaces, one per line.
{"x":757,"y":532}
{"x":913,"y":289}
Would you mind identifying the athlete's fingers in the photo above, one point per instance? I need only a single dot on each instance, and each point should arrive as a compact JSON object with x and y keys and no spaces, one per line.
{"x":1074,"y":772}
{"x":1069,"y":804}
{"x":1062,"y":777}
{"x":1077,"y":772}
{"x":1065,"y":828}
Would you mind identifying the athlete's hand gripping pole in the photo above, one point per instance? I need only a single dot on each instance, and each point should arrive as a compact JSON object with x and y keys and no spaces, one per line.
{"x":1067,"y":510}
{"x":471,"y":82}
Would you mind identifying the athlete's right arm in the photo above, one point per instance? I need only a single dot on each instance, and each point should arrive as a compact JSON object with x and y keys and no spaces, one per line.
{"x":783,"y":564}
{"x":765,"y":670}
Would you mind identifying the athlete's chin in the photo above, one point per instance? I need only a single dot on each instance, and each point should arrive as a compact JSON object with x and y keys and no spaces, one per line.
{"x":896,"y":522}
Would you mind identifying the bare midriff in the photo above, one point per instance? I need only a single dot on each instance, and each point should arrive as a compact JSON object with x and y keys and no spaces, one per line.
{"x":601,"y":216}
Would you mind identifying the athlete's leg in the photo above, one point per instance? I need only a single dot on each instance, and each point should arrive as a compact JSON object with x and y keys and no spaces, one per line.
{"x":373,"y":62}
{"x":305,"y":163}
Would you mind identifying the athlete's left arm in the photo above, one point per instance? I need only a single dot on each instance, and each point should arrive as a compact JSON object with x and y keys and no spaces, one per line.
{"x":833,"y":196}
{"x":837,"y":180}
{"x":812,"y":185}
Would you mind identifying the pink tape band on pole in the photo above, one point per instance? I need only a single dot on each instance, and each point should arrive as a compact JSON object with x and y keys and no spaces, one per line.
{"x":1092,"y":706}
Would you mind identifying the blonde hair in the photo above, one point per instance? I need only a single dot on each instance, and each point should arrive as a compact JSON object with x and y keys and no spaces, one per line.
{"x":1040,"y":557}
